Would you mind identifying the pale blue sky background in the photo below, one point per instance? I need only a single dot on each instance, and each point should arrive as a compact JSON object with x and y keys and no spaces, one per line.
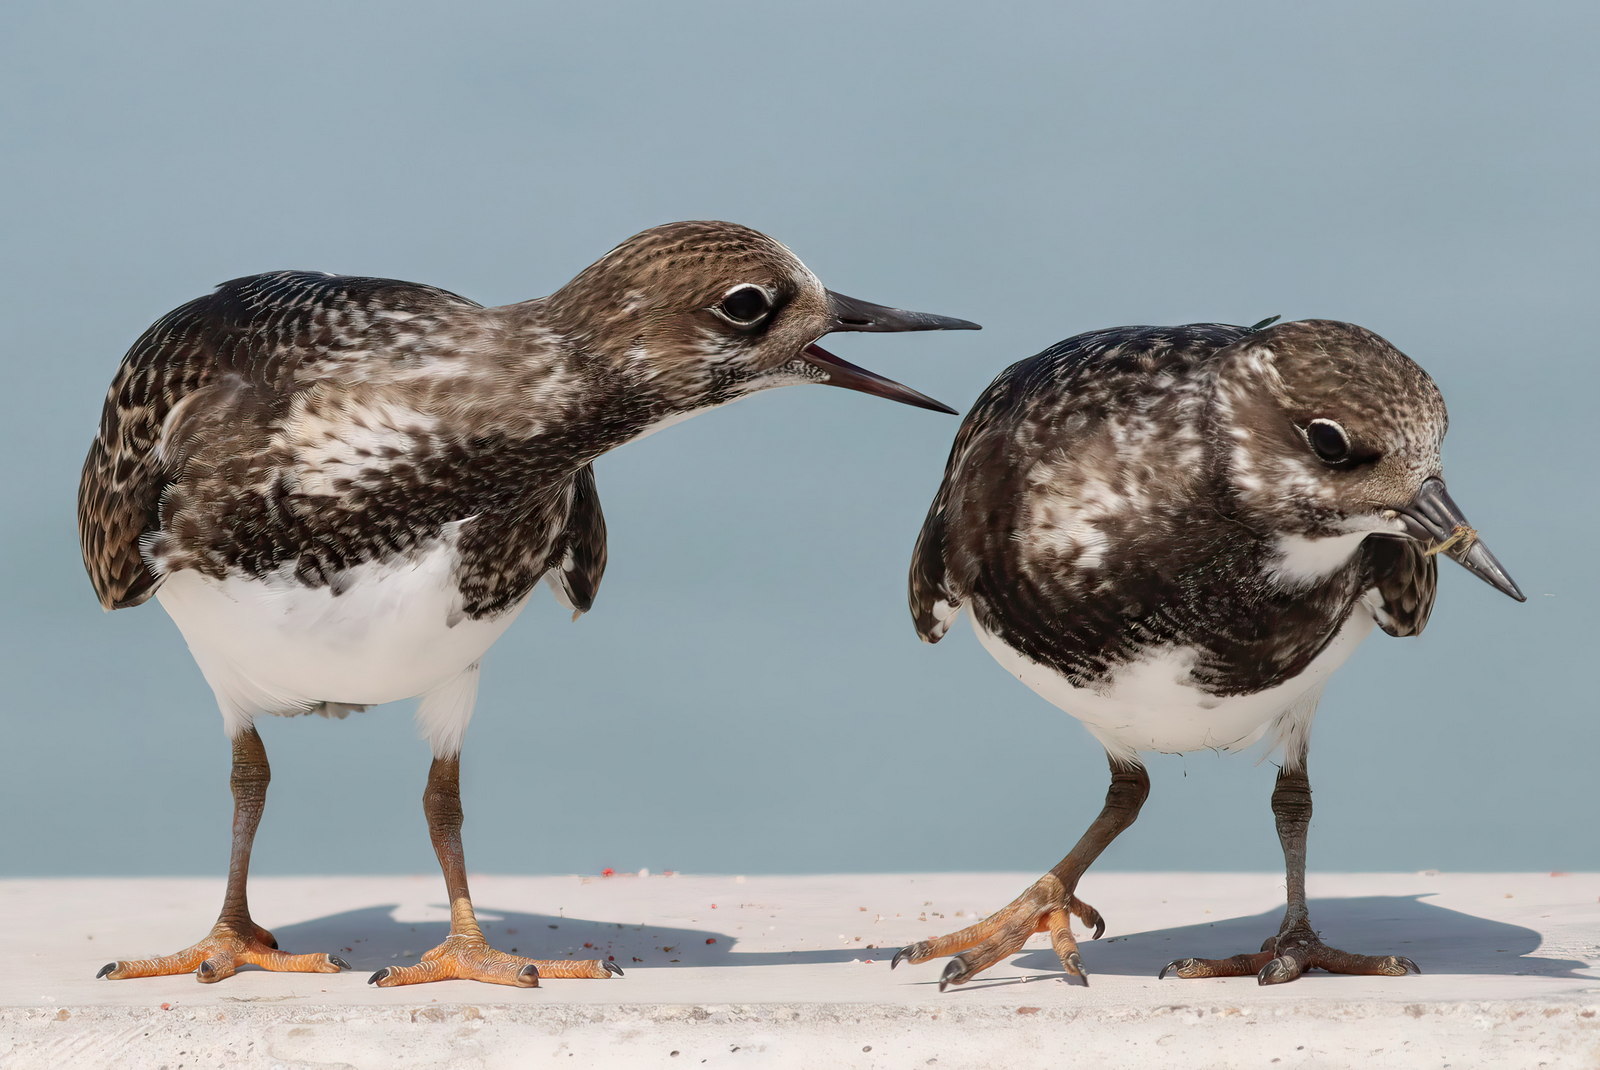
{"x":748,"y":695}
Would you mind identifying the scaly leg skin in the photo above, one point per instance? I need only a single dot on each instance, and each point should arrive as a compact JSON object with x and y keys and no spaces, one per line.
{"x":235,"y":940}
{"x":465,"y":954}
{"x":1296,"y":948}
{"x":1049,"y":904}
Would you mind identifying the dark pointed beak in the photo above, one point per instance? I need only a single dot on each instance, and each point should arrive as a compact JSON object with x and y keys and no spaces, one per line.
{"x":850,"y":314}
{"x":1435,"y":520}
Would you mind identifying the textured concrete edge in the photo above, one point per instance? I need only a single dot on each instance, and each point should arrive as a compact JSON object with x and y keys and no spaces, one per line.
{"x":556,"y":1016}
{"x":1198,"y":1036}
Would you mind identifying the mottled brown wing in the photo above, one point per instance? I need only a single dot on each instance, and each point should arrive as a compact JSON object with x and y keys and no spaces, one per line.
{"x":933,"y":598}
{"x":1054,"y":403}
{"x":274,"y":332}
{"x":583,"y":546}
{"x":1406,"y":580}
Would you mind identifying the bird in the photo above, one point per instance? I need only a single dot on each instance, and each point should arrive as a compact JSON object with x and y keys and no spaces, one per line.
{"x":1175,"y":535}
{"x":344,"y":489}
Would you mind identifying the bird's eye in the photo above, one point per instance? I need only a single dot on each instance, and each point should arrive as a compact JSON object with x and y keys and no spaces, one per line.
{"x":1328,"y":441}
{"x":744,"y":306}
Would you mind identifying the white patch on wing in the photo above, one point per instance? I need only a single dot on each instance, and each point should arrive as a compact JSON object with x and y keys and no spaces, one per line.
{"x":554,"y":579}
{"x":273,"y":645}
{"x":330,"y":442}
{"x":1127,"y":468}
{"x":1065,"y":508}
{"x":1154,"y":705}
{"x":944,"y":615}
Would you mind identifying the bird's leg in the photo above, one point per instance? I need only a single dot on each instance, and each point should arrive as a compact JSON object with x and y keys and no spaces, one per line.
{"x":235,"y":940}
{"x":1049,"y":904}
{"x":465,"y":954}
{"x":1297,"y":947}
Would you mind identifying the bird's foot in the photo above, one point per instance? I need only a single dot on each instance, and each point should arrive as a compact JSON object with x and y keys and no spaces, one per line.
{"x":1046,"y":907}
{"x":1286,"y":956}
{"x":470,"y":958}
{"x":221,"y":953}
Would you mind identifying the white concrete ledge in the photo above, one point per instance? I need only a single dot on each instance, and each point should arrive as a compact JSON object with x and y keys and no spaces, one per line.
{"x":793,"y":971}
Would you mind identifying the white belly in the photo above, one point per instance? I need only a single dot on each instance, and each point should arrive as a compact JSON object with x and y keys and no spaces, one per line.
{"x":273,"y":646}
{"x":1153,"y":704}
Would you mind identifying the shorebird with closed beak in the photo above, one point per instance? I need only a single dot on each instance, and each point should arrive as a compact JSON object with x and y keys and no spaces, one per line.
{"x":343,"y":490}
{"x":1175,"y":534}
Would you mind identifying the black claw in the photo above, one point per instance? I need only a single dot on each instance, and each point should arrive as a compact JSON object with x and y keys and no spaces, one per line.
{"x":380,"y":975}
{"x":339,"y":962}
{"x":1275,"y":973}
{"x":899,"y":957}
{"x":1075,"y":965}
{"x":612,"y":968}
{"x":1175,"y":964}
{"x":205,"y":970}
{"x":110,"y":967}
{"x":528,"y":974}
{"x":1099,"y":927}
{"x":954,"y":973}
{"x":1408,"y":964}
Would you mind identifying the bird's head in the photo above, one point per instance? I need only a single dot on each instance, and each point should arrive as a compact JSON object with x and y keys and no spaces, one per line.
{"x":706,"y":312}
{"x":1329,"y":434}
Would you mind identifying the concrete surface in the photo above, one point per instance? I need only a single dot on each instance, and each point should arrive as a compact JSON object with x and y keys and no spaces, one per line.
{"x":793,"y":971}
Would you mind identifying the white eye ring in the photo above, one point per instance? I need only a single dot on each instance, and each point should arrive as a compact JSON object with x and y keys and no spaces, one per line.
{"x":745,"y":305}
{"x":1328,"y":441}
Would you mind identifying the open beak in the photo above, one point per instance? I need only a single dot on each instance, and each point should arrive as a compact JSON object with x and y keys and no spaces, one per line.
{"x":1435,"y":520}
{"x":850,"y":314}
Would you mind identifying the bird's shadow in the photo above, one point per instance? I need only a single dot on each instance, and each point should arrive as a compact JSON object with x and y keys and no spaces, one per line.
{"x":1441,"y":940}
{"x":372,"y":937}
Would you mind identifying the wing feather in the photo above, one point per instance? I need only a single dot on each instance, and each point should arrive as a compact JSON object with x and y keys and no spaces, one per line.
{"x":934,"y":597}
{"x":275,"y":333}
{"x":576,"y":577}
{"x":1404,"y":581}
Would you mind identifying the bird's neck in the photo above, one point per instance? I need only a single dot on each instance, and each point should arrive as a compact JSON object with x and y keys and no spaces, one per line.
{"x":559,"y":393}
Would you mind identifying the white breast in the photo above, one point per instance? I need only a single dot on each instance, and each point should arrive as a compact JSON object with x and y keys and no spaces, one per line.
{"x":1154,"y":705}
{"x":271,"y":645}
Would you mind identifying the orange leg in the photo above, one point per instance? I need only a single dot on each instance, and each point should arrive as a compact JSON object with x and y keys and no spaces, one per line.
{"x":1049,"y":904}
{"x":235,"y":940}
{"x":465,"y":954}
{"x":1297,"y":947}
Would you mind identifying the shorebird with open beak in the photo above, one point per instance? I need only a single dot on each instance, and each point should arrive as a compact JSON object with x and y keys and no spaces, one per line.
{"x":343,"y":490}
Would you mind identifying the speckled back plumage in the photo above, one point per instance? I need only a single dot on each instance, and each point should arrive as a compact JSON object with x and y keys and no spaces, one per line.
{"x":226,"y":443}
{"x":1091,"y":509}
